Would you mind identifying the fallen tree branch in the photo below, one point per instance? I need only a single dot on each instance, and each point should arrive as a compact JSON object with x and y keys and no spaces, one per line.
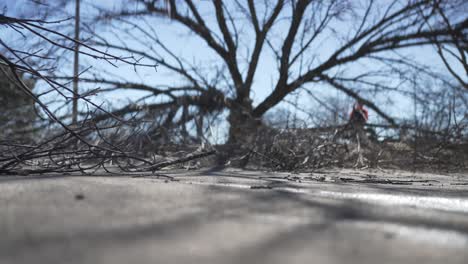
{"x":177,"y":161}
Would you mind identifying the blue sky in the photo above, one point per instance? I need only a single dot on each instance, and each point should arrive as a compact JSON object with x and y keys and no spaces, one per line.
{"x":191,"y":48}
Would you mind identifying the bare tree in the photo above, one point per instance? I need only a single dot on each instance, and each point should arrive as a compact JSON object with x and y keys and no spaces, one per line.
{"x":243,"y":33}
{"x":97,"y":145}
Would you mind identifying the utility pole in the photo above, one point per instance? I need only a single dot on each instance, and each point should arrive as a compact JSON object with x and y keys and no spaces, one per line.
{"x":76,"y":63}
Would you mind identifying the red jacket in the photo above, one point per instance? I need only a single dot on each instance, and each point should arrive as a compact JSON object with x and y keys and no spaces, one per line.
{"x":359,"y":113}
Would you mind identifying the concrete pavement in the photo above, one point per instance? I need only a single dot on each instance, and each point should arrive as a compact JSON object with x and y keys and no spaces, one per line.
{"x":234,"y":216}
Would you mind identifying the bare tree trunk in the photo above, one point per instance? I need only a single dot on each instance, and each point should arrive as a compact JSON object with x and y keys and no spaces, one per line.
{"x":243,"y":124}
{"x":199,"y":127}
{"x":76,"y":63}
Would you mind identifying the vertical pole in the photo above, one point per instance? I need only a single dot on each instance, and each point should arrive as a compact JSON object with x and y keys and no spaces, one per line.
{"x":76,"y":63}
{"x":416,"y":130}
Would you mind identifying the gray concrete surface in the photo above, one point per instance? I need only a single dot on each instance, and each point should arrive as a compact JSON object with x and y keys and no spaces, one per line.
{"x":233,"y":216}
